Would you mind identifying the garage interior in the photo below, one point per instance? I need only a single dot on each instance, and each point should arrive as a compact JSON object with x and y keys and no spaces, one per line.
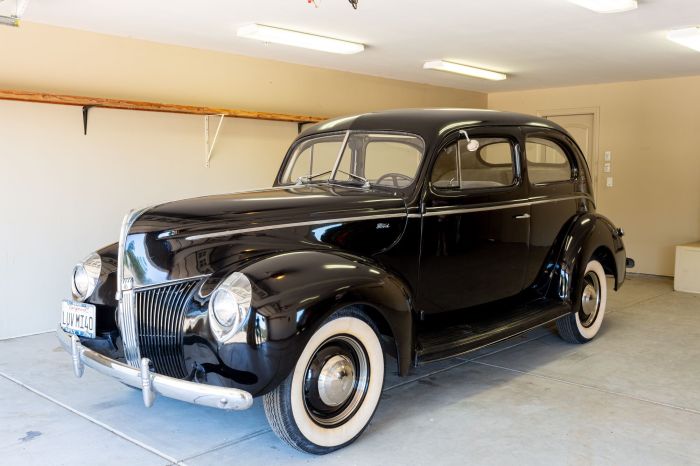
{"x":105,"y":107}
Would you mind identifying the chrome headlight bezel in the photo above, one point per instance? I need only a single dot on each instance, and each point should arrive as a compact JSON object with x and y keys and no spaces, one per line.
{"x":89,"y":270}
{"x":229,"y":306}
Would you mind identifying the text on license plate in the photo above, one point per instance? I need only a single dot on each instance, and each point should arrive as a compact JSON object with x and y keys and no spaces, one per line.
{"x":78,"y":318}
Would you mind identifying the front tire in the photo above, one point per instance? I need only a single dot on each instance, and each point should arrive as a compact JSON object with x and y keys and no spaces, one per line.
{"x":334,"y":389}
{"x":584,"y":323}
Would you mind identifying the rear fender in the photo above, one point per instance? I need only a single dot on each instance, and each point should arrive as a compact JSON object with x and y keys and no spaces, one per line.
{"x":590,"y":234}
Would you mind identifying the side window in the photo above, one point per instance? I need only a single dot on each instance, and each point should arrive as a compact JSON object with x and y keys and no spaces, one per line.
{"x":546,"y":161}
{"x":490,"y":166}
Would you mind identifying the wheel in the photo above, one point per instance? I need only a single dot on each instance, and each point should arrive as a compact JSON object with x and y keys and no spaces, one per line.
{"x":583,"y":325}
{"x":334,"y":389}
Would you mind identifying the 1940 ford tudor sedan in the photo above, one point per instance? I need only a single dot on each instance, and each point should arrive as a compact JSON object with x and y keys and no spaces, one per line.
{"x":414,"y":234}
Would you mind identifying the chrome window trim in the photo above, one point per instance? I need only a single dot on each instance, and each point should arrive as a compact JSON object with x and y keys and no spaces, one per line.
{"x":439,"y":211}
{"x":340,"y":155}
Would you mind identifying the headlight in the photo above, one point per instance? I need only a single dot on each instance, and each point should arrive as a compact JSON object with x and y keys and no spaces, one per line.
{"x":86,"y":274}
{"x":229,"y":305}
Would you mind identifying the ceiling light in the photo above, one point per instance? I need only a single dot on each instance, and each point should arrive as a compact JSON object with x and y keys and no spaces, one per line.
{"x":13,"y":20}
{"x":689,"y":37}
{"x":607,"y":6}
{"x":298,"y":39}
{"x":9,"y":21}
{"x":441,"y":65}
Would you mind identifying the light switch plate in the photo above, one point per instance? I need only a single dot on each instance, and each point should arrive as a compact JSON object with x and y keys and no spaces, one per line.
{"x":608,"y":156}
{"x":609,"y":182}
{"x":606,"y":167}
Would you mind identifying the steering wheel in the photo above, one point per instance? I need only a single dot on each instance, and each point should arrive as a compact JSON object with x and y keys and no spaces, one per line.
{"x":395,"y":177}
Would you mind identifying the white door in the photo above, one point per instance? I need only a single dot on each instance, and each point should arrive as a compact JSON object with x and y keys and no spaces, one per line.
{"x":581,"y":127}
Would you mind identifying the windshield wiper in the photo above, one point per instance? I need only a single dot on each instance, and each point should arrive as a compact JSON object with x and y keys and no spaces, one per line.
{"x":365,"y":181}
{"x":307,"y":178}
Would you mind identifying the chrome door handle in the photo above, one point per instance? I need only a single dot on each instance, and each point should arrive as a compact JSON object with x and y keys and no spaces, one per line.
{"x":523,"y":216}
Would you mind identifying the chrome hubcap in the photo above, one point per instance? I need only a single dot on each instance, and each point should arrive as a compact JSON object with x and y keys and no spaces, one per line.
{"x":590,"y":299}
{"x":336,"y":380}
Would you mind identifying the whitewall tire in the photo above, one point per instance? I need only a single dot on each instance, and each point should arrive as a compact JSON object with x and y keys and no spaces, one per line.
{"x":584,"y":323}
{"x":334,"y":389}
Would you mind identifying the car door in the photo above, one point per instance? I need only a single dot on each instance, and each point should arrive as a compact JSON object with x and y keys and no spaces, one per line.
{"x":475,"y":215}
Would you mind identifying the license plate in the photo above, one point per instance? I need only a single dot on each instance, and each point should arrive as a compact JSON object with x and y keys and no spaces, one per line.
{"x":78,"y":318}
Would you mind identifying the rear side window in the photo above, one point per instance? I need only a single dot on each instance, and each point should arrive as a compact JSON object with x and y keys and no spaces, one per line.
{"x":546,"y":161}
{"x":490,"y":166}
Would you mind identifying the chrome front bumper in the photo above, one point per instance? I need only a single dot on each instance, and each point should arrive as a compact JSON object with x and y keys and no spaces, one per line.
{"x":152,"y":384}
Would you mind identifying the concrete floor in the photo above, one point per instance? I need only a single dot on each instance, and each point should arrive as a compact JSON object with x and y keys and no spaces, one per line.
{"x":632,"y":396}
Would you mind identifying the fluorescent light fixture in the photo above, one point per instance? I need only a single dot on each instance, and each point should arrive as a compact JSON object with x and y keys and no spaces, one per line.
{"x":299,"y":39}
{"x":689,"y":37}
{"x":9,"y":21}
{"x":441,"y":65}
{"x":14,"y":20}
{"x":607,"y":6}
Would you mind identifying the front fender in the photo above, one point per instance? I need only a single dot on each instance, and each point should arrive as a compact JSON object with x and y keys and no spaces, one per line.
{"x":294,"y":292}
{"x":589,"y":234}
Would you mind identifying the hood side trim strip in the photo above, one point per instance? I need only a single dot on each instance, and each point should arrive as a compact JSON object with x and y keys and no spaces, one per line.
{"x":220,"y":234}
{"x":430,"y":213}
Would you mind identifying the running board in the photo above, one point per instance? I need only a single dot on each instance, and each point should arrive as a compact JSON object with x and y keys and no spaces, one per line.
{"x":455,"y":340}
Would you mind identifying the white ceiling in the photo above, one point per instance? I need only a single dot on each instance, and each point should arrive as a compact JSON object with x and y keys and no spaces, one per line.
{"x":539,"y":43}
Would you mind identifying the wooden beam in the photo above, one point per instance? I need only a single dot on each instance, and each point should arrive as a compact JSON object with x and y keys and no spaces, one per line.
{"x":59,"y":99}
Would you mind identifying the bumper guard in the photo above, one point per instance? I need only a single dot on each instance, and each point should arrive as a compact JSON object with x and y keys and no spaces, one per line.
{"x":150,"y":383}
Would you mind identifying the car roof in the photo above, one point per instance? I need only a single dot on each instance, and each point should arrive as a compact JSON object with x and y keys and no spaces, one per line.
{"x":429,"y":123}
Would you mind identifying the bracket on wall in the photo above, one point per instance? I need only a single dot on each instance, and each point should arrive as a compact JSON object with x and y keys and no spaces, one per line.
{"x":86,"y":109}
{"x":209,"y":148}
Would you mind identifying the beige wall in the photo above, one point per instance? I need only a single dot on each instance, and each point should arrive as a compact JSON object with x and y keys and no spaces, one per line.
{"x":63,"y":194}
{"x":51,"y":59}
{"x":653,"y":131}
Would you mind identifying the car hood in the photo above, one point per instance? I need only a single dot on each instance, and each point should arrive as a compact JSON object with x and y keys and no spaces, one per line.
{"x":219,"y":214}
{"x":203,"y":236}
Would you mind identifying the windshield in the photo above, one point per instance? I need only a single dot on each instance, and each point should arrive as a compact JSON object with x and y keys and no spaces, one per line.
{"x":363,"y":158}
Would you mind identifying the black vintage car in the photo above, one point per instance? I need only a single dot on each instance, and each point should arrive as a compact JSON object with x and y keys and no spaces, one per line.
{"x":417,"y":234}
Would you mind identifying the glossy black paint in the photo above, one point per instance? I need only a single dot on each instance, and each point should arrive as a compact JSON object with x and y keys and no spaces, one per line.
{"x":457,"y":248}
{"x":436,"y":282}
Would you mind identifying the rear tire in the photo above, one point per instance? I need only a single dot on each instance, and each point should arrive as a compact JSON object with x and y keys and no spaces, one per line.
{"x":584,"y":323}
{"x":334,"y":389}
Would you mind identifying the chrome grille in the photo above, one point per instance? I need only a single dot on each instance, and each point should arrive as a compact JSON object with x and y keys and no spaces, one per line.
{"x":129,"y":331}
{"x":160,"y":314}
